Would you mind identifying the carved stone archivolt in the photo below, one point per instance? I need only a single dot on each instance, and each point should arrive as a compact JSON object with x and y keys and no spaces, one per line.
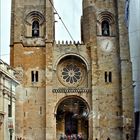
{"x":34,"y":15}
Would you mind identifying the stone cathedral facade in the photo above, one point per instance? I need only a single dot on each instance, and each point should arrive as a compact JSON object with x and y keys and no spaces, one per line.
{"x":70,"y":87}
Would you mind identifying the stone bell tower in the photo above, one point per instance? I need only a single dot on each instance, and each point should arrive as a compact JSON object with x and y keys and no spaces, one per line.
{"x":72,"y":88}
{"x":32,"y":34}
{"x":105,"y":33}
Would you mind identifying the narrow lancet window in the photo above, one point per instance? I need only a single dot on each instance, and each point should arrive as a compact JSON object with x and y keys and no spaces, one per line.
{"x":108,"y":77}
{"x":34,"y":76}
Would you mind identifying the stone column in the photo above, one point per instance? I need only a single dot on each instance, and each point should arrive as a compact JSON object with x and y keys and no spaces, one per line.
{"x":50,"y":97}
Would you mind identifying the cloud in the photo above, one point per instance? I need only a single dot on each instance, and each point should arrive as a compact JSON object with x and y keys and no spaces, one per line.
{"x":70,"y":12}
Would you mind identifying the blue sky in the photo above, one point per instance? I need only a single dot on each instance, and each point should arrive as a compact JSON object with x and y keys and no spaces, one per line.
{"x":71,"y":16}
{"x":70,"y":12}
{"x":5,"y":9}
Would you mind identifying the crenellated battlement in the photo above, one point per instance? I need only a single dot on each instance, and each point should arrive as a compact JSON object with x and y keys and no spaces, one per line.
{"x":69,"y":47}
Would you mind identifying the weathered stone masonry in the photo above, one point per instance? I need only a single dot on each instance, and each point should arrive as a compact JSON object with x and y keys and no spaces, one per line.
{"x":83,"y":87}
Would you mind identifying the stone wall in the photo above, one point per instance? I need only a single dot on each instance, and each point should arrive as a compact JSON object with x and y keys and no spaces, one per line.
{"x":97,"y":72}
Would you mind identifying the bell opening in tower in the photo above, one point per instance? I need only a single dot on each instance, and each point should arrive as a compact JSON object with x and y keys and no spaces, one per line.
{"x":105,"y":28}
{"x":35,"y":29}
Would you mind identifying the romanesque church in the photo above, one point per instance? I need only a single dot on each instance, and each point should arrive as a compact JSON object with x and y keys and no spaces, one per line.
{"x":72,"y":88}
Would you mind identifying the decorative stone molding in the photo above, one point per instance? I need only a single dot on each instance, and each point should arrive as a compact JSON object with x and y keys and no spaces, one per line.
{"x":71,"y":90}
{"x":106,"y":16}
{"x":29,"y":41}
{"x":34,"y":15}
{"x":74,"y":55}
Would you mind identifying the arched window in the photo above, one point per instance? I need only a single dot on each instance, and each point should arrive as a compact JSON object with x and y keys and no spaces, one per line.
{"x":34,"y":24}
{"x":106,"y":24}
{"x":105,"y":28}
{"x":35,"y":28}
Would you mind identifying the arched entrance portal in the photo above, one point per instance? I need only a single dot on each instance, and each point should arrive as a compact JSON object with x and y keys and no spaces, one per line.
{"x":71,"y":118}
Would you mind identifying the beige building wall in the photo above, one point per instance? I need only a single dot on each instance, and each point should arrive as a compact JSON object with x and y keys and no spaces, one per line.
{"x":8,"y":84}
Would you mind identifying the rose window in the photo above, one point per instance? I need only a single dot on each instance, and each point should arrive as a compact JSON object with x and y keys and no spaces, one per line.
{"x":71,"y":73}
